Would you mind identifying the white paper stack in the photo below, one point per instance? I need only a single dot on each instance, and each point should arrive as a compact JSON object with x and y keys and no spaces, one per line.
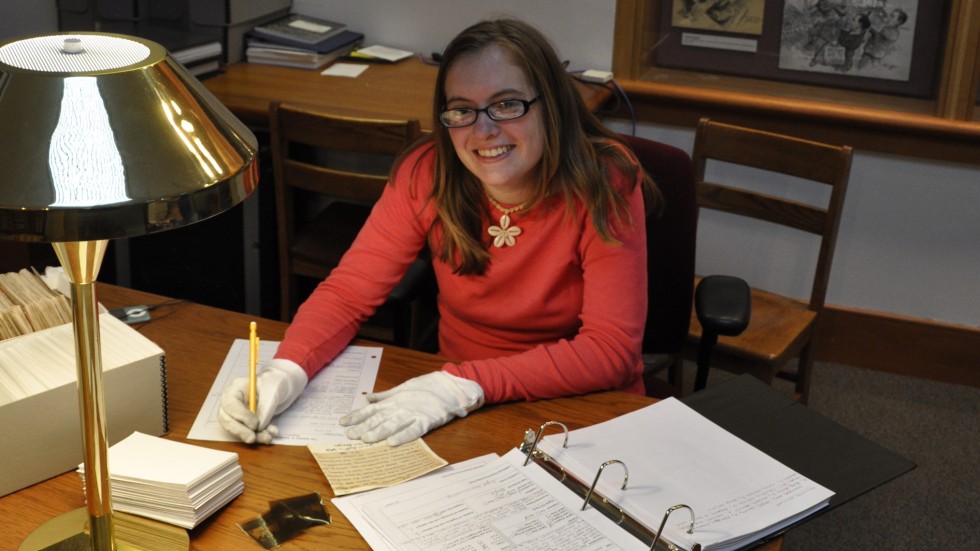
{"x":169,"y":481}
{"x":39,"y":423}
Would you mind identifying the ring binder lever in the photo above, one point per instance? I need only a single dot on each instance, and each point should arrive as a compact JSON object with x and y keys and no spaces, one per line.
{"x":598,"y":473}
{"x":690,"y":529}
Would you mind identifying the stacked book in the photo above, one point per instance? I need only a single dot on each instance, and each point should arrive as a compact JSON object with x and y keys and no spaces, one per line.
{"x":300,"y":41}
{"x":173,"y":482}
{"x":200,"y":60}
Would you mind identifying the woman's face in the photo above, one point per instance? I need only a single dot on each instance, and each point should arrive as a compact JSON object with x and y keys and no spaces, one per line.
{"x":503,"y":155}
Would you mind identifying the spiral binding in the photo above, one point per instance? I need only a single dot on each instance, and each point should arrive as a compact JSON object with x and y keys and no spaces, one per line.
{"x":163,"y":394}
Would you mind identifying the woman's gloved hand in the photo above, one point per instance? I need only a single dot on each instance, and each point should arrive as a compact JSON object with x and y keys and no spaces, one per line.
{"x":413,"y":408}
{"x":277,"y":385}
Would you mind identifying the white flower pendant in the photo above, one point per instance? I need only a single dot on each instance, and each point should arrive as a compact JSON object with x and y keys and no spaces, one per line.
{"x":504,"y":234}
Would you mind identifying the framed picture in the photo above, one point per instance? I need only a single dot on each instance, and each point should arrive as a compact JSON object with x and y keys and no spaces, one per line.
{"x":883,"y":46}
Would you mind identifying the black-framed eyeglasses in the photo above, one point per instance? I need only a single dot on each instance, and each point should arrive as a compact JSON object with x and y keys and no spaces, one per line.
{"x":504,"y":110}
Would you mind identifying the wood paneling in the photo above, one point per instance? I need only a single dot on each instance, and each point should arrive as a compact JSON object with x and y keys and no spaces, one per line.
{"x":901,"y":345}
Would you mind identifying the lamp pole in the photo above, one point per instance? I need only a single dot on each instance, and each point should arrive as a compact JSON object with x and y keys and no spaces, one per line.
{"x":81,"y":261}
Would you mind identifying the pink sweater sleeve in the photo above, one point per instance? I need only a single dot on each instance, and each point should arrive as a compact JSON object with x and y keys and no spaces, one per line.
{"x":605,"y":353}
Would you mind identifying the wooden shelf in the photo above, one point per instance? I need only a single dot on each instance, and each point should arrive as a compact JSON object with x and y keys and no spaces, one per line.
{"x":790,"y":91}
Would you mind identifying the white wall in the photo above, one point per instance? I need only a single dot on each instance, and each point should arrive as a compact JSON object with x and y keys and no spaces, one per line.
{"x":909,"y":241}
{"x":21,"y":18}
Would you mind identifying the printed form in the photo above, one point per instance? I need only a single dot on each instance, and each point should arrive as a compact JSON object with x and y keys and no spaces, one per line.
{"x":334,"y":392}
{"x":489,"y":502}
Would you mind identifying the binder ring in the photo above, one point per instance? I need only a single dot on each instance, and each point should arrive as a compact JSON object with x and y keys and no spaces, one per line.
{"x":598,"y":473}
{"x":690,"y":529}
{"x":534,"y":445}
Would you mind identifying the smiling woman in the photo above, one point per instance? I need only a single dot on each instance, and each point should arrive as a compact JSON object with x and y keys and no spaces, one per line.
{"x":533,"y":212}
{"x":504,"y":153}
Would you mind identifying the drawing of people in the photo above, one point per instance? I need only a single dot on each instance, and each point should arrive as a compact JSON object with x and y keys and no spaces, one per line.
{"x":737,"y":16}
{"x":722,"y":11}
{"x":826,"y":16}
{"x":882,"y":35}
{"x":851,"y":37}
{"x":866,"y":38}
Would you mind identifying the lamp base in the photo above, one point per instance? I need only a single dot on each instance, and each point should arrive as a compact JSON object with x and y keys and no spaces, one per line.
{"x":69,"y":532}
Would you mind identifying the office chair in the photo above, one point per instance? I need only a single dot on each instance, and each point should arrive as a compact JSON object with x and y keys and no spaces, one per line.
{"x":329,"y":171}
{"x":671,"y":240}
{"x":779,"y":328}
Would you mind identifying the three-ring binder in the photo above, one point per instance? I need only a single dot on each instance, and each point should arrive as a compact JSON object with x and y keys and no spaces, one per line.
{"x":590,"y":497}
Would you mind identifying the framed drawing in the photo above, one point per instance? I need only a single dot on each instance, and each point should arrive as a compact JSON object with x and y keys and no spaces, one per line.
{"x":733,"y":16}
{"x":882,"y":46}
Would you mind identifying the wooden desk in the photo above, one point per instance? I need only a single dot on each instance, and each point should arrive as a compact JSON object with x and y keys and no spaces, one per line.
{"x":196,"y":340}
{"x":402,"y":90}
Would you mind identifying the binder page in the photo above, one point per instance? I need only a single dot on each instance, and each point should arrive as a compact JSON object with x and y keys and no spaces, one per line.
{"x":355,"y":506}
{"x":674,"y":456}
{"x":313,"y":418}
{"x":482,"y":504}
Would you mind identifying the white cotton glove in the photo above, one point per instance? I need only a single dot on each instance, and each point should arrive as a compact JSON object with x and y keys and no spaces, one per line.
{"x":413,"y":408}
{"x":277,"y":385}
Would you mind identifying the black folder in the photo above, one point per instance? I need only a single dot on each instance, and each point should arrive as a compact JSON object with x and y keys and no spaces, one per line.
{"x":800,"y":438}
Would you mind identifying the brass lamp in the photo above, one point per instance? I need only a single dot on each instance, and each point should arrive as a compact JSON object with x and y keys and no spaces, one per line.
{"x":105,"y":136}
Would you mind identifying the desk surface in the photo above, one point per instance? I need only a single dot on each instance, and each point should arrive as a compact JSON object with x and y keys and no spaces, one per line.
{"x":402,"y":90}
{"x":196,"y":340}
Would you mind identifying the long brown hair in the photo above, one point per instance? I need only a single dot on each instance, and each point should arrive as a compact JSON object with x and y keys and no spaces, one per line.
{"x":573,"y":165}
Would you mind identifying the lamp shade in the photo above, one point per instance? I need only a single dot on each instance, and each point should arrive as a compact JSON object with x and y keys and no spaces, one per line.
{"x":106,"y":136}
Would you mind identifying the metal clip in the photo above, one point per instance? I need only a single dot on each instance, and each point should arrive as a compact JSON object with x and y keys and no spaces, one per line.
{"x":690,"y":529}
{"x":599,"y":473}
{"x":534,"y":444}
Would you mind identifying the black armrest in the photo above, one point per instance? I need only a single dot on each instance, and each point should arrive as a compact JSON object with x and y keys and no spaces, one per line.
{"x":723,"y":304}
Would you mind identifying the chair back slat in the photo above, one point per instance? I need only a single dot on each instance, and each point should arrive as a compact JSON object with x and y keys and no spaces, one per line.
{"x":763,"y":207}
{"x":814,"y":161}
{"x":341,"y":133}
{"x":340,"y":184}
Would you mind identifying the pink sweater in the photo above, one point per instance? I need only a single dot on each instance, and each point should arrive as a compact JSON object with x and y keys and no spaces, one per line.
{"x":560,"y":313}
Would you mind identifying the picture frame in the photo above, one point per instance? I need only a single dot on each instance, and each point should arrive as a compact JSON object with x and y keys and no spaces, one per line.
{"x":788,"y":46}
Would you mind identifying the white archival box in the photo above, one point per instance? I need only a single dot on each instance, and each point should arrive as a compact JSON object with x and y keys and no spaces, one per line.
{"x":41,"y":432}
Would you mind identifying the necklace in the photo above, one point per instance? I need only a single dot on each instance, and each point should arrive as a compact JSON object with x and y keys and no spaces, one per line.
{"x":504,"y":234}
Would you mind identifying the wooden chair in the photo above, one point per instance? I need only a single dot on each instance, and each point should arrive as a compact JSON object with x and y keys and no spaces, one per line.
{"x":780,"y":328}
{"x":671,"y":240}
{"x":329,"y":171}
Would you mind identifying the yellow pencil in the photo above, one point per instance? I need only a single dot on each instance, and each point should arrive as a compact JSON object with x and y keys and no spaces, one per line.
{"x":253,"y":356}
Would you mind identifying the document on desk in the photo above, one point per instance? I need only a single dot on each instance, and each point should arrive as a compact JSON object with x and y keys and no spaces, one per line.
{"x":334,"y":392}
{"x":358,"y":467}
{"x":489,"y":502}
